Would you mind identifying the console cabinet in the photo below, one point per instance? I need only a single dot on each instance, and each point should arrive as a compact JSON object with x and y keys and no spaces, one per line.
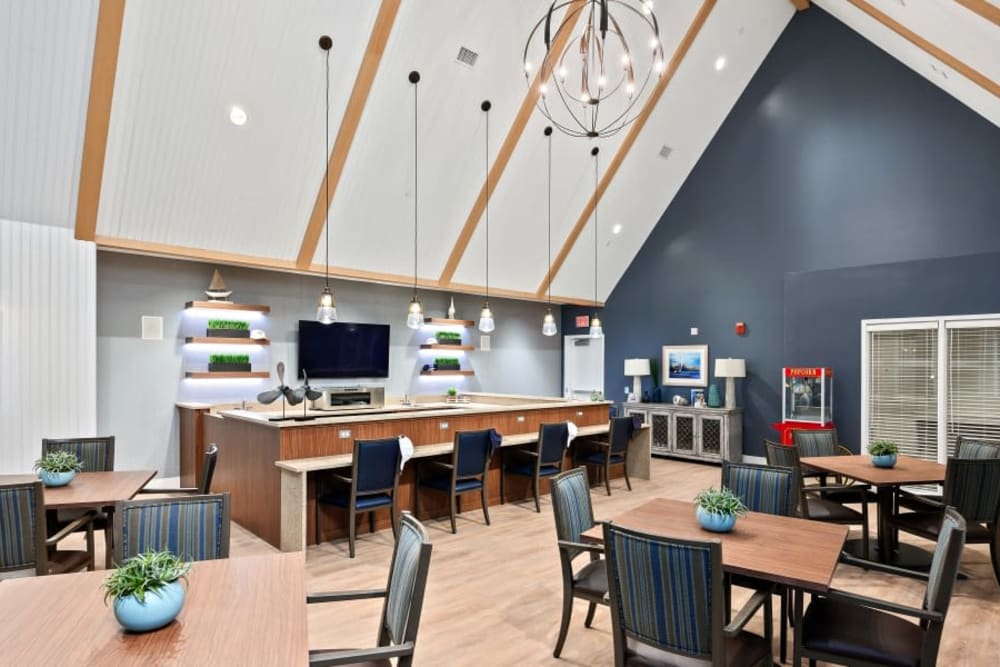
{"x":708,"y":434}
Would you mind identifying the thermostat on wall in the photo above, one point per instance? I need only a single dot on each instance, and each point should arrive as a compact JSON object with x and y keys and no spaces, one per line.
{"x":484,"y":343}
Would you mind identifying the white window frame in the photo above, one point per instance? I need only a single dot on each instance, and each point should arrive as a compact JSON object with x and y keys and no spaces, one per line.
{"x":941,"y":324}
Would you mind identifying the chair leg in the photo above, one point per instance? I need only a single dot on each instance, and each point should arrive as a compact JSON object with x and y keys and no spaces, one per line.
{"x":607,"y":477}
{"x":783,"y":627}
{"x":485,"y":497}
{"x":769,"y":620}
{"x":90,"y":548}
{"x":591,"y":608}
{"x":628,"y":482}
{"x":503,"y":493}
{"x":371,"y":522}
{"x":534,"y":487}
{"x":995,"y":553}
{"x":351,"y":515}
{"x":109,"y":544}
{"x":567,"y":612}
{"x":454,"y":503}
{"x":392,"y":518}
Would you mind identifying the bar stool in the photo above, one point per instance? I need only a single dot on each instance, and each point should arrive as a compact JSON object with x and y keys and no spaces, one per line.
{"x":467,"y":472}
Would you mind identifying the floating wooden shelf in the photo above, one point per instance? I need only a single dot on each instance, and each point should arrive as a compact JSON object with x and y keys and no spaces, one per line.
{"x":225,"y":305}
{"x":210,"y":340}
{"x":439,"y":346}
{"x":447,"y":372}
{"x":209,"y":375}
{"x":446,"y":321}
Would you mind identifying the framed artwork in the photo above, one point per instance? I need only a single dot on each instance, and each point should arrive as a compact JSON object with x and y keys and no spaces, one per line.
{"x":685,"y":365}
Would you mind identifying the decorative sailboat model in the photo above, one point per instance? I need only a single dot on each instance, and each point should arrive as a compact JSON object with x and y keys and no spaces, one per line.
{"x":217,"y":289}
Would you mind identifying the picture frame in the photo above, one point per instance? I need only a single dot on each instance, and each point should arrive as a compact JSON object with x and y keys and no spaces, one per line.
{"x":685,"y":365}
{"x":697,"y":393}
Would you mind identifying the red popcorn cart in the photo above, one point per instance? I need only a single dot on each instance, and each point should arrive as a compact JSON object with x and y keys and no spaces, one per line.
{"x":806,"y":400}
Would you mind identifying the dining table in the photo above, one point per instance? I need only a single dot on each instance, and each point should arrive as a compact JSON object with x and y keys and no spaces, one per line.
{"x":237,"y":611}
{"x":907,"y":470}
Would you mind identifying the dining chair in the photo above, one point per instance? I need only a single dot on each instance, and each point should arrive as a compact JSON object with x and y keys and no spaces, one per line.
{"x":403,"y":600}
{"x":24,"y":547}
{"x":204,"y":483}
{"x":574,"y":514}
{"x":545,"y":459}
{"x":976,"y":448}
{"x":468,"y":472}
{"x":972,"y":488}
{"x":373,"y":484}
{"x":667,"y":598}
{"x":850,"y":629}
{"x":824,"y":442}
{"x":610,"y":452}
{"x":191,"y":527}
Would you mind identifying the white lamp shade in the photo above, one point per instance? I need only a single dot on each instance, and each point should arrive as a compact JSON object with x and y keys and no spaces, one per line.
{"x":637,"y":367}
{"x":730,"y":368}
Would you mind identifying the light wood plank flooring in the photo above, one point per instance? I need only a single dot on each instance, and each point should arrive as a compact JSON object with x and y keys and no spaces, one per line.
{"x":494,"y":593}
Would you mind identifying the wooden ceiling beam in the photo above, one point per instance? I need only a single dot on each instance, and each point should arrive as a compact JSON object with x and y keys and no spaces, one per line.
{"x":943,"y":56}
{"x":988,"y":11}
{"x":348,"y":127}
{"x":628,"y":142}
{"x":104,"y":66}
{"x":510,"y":142}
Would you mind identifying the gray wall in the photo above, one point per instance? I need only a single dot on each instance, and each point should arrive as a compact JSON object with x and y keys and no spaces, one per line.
{"x":836,"y":155}
{"x":139,"y":381}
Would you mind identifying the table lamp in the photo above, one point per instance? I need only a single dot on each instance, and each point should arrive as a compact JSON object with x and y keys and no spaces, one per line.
{"x":730,"y":369}
{"x":637,"y":368}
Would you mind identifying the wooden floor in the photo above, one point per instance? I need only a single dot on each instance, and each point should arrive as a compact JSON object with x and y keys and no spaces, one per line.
{"x":494,"y":593}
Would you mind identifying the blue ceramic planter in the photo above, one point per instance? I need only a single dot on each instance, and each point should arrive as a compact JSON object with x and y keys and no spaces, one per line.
{"x":717,"y":523}
{"x":159,"y":608}
{"x":883,"y":460}
{"x":56,"y":478}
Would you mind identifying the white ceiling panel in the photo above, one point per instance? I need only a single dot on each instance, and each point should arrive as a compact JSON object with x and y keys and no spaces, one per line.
{"x":46,"y":47}
{"x":518,"y":206}
{"x":688,"y":115}
{"x":372,"y":214}
{"x":177,"y":170}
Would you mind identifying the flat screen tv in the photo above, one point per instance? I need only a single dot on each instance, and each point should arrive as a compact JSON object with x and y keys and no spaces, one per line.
{"x":343,"y":350}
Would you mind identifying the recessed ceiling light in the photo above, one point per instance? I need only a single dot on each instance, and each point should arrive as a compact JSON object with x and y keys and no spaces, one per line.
{"x":720,"y":62}
{"x":616,"y":229}
{"x":238,"y":116}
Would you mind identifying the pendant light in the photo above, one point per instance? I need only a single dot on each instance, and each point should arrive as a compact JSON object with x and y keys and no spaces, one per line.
{"x":596,"y":330}
{"x":486,"y":323}
{"x":415,"y":317}
{"x":326,"y":310}
{"x":549,"y":323}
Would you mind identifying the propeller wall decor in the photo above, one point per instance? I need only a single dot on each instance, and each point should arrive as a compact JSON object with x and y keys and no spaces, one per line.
{"x":304,"y":392}
{"x":270,"y":396}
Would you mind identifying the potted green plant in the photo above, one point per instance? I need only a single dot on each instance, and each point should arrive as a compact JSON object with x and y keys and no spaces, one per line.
{"x":446,"y":364}
{"x":883,"y":453}
{"x":448,"y":338}
{"x":57,"y":468}
{"x":717,"y":509}
{"x":147,"y":590}
{"x":229,"y":363}
{"x":227,"y":329}
{"x":452,"y":394}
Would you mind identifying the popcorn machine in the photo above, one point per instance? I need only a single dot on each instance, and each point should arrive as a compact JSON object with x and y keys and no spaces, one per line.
{"x":806,"y":400}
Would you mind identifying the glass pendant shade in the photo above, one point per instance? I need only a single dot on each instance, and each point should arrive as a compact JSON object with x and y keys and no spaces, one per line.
{"x":549,"y":324}
{"x":596,"y":331}
{"x":415,"y":318}
{"x":326,"y":310}
{"x":486,"y":319}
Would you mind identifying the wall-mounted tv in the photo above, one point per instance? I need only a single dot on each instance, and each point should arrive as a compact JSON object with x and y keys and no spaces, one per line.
{"x":343,"y":350}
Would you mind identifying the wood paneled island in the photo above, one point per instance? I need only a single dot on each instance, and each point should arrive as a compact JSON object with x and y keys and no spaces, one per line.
{"x":254,"y":453}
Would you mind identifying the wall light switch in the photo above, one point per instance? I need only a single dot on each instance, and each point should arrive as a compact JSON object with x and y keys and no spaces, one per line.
{"x":694,"y":331}
{"x":443,"y":426}
{"x":344,"y":433}
{"x":484,"y":343}
{"x":152,"y":327}
{"x":627,"y":390}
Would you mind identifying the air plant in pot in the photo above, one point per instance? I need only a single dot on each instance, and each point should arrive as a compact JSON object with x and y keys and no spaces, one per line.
{"x":57,"y":468}
{"x":717,"y":509}
{"x":147,"y":590}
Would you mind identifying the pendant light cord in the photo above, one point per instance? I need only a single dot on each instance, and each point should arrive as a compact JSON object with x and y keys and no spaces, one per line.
{"x":549,"y":246}
{"x":594,"y":153}
{"x":415,"y":173}
{"x":326,"y":161}
{"x":487,"y":162}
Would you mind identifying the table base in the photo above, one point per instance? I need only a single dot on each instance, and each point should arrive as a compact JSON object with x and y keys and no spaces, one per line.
{"x":905,"y":556}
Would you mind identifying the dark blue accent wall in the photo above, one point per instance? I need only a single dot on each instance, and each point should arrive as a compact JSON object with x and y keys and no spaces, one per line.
{"x":836,"y":157}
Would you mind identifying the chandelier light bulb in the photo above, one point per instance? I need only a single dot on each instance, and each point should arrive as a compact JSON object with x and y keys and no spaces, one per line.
{"x":659,"y":66}
{"x":602,"y":81}
{"x":647,"y":7}
{"x":543,"y":89}
{"x":584,"y":97}
{"x":549,"y":324}
{"x":654,"y":43}
{"x":563,"y":72}
{"x":630,"y":89}
{"x":625,"y":60}
{"x":527,"y":67}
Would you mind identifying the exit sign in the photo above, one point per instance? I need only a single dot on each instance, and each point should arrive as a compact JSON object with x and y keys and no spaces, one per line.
{"x":582,"y":321}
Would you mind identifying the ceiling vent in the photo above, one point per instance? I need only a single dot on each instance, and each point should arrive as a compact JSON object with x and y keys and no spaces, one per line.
{"x":665,"y":151}
{"x":467,"y":57}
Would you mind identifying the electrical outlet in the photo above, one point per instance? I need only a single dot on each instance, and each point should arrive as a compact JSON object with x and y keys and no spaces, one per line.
{"x":694,"y":331}
{"x":520,"y":419}
{"x":627,"y":389}
{"x":443,"y":426}
{"x":484,"y":343}
{"x":579,"y":413}
{"x":344,"y":433}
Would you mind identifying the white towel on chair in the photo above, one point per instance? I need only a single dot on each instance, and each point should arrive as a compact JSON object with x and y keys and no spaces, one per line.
{"x":571,"y":429}
{"x":405,"y":450}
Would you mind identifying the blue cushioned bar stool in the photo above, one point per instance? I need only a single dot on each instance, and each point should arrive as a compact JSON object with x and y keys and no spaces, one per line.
{"x":467,"y":472}
{"x":610,"y":452}
{"x":373,"y":484}
{"x":544,"y":460}
{"x":190,"y":527}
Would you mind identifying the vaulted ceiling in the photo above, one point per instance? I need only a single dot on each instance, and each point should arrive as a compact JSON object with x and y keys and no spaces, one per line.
{"x":115,"y":122}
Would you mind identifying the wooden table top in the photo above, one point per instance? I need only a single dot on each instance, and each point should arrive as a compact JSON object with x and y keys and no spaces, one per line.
{"x":91,"y":489}
{"x":237,"y":611}
{"x":908,"y":470}
{"x":786,"y":550}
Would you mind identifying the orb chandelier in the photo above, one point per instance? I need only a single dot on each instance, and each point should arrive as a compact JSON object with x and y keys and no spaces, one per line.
{"x":595,"y":65}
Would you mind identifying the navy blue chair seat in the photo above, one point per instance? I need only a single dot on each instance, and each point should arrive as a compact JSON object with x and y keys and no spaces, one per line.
{"x":598,"y":459}
{"x":602,"y":454}
{"x":467,"y":472}
{"x":443,"y":483}
{"x":343,"y":499}
{"x":545,"y":459}
{"x":528,"y":470}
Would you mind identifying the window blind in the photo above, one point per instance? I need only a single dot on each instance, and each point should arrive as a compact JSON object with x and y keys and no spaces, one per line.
{"x":973,"y":383}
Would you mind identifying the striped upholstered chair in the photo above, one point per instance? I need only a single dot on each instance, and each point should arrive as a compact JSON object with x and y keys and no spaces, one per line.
{"x":404,"y":599}
{"x":976,"y":448}
{"x":972,"y":488}
{"x":667,"y":600}
{"x":574,"y":514}
{"x":95,"y":454}
{"x":24,"y":548}
{"x":192,"y":527}
{"x":544,"y":460}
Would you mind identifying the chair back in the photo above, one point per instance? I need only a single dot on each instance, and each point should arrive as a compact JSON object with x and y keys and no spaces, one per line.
{"x":665,"y":592}
{"x":619,"y":431}
{"x":22,"y":528}
{"x":815,"y":442}
{"x":972,"y":487}
{"x":967,"y":448}
{"x":376,"y":465}
{"x":472,"y":453}
{"x":192,"y":527}
{"x":552,"y":441}
{"x":941,"y":580}
{"x":765,"y":489}
{"x":95,"y":454}
{"x":208,"y":469}
{"x":783,"y":456}
{"x":404,"y":599}
{"x":571,"y":504}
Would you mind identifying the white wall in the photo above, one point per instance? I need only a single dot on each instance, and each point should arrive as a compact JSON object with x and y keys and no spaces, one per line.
{"x":48,"y":341}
